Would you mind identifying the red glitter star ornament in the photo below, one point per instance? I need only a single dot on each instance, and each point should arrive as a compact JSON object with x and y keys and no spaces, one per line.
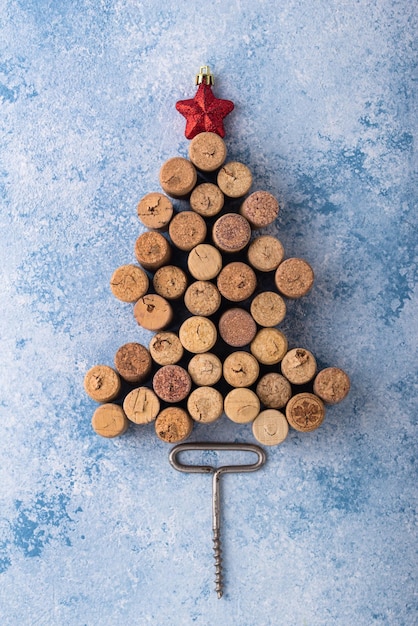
{"x":204,"y":112}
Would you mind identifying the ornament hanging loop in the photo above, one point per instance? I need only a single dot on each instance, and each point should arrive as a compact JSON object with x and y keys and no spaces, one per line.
{"x":205,"y":76}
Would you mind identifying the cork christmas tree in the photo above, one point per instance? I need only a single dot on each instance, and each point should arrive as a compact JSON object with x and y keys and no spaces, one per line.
{"x":198,"y":284}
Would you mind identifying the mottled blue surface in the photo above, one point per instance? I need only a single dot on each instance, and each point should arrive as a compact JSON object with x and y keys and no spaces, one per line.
{"x":105,"y":533}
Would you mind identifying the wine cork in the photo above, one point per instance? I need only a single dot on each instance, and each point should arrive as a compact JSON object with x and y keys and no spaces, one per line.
{"x":241,"y":405}
{"x":204,"y":262}
{"x":165,"y":348}
{"x":155,"y":211}
{"x":205,"y":369}
{"x":270,"y":427}
{"x":231,"y":232}
{"x":152,"y":250}
{"x":141,"y":405}
{"x":331,"y":385}
{"x":237,"y":281}
{"x":265,"y":253}
{"x":133,"y":362}
{"x":198,"y":334}
{"x":260,"y":208}
{"x":207,"y":199}
{"x":268,"y":308}
{"x":202,"y":298}
{"x":205,"y":404}
{"x":207,"y":151}
{"x":178,"y":177}
{"x":153,"y":312}
{"x":274,"y":390}
{"x":102,"y":383}
{"x":173,"y":425}
{"x":172,"y":383}
{"x":294,"y":278}
{"x":305,"y":412}
{"x":299,"y":366}
{"x":170,"y":282}
{"x":129,"y":283}
{"x":109,"y":420}
{"x":234,"y":179}
{"x":237,"y":328}
{"x":269,"y":346}
{"x":187,"y":229}
{"x":240,"y":369}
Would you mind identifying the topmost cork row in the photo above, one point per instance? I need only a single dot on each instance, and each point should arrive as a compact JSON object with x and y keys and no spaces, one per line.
{"x":179,"y":176}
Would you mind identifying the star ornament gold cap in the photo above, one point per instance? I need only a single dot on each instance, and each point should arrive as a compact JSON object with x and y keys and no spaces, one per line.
{"x":205,"y":76}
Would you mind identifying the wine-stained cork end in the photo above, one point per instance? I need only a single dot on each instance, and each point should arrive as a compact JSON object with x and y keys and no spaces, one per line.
{"x":133,"y":362}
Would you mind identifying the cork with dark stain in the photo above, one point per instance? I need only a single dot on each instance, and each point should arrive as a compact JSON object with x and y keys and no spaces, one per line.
{"x":172,"y":383}
{"x":133,"y":362}
{"x":231,"y":232}
{"x":237,"y":328}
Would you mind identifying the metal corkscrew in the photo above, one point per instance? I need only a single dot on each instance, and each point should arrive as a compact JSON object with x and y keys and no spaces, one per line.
{"x":217,"y":472}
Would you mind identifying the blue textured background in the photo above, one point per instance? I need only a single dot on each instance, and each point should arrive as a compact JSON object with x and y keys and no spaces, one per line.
{"x":96,"y":532}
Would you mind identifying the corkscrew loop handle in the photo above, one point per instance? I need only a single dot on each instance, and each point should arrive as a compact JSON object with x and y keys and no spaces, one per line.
{"x":209,"y":469}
